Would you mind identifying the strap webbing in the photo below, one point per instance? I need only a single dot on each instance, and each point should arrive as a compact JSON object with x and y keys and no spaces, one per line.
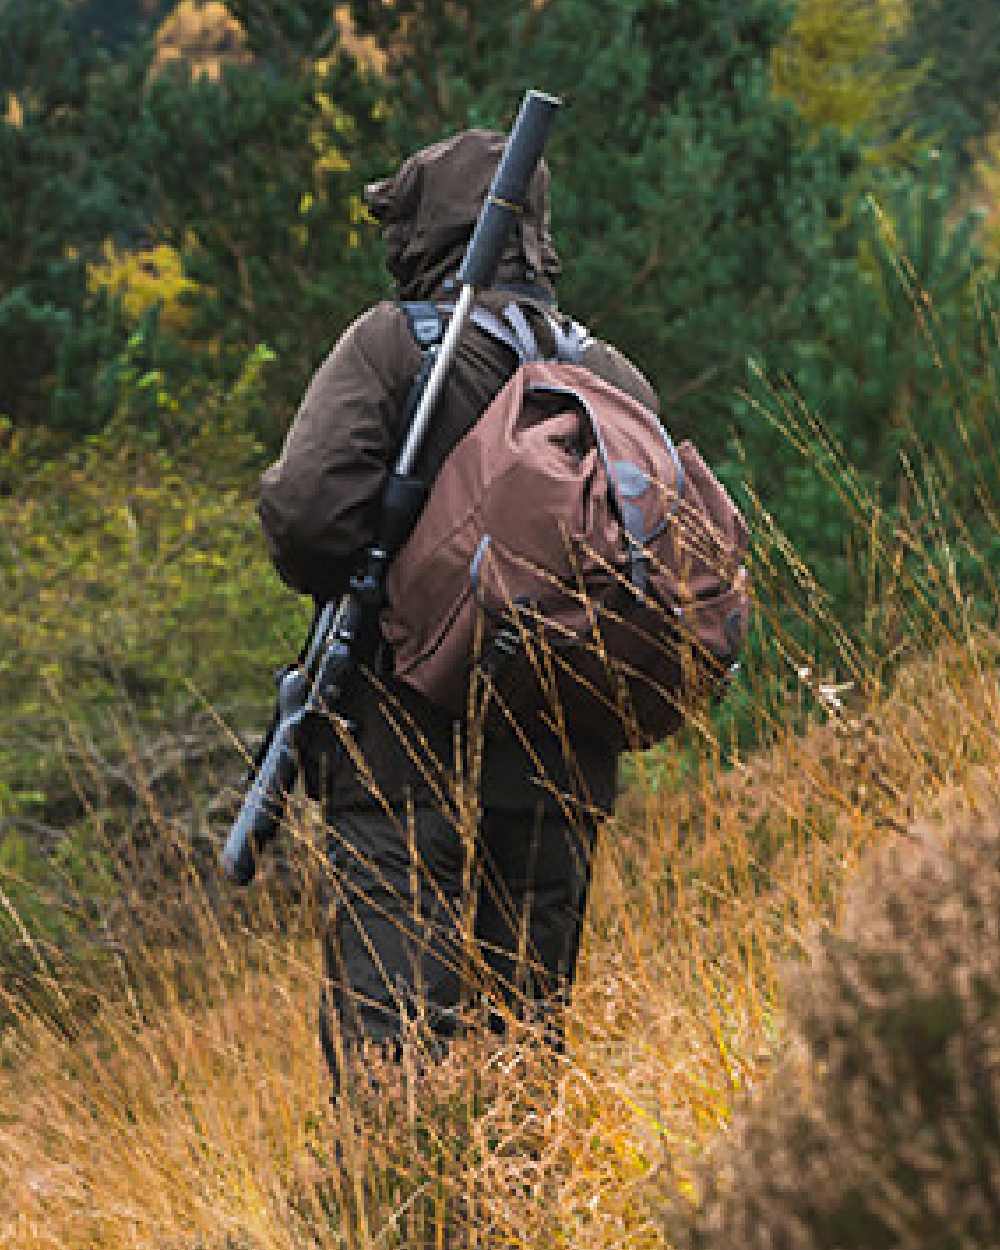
{"x":514,"y":331}
{"x":425,"y":322}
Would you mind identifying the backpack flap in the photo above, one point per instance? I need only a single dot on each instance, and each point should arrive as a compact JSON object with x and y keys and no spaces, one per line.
{"x":567,"y":533}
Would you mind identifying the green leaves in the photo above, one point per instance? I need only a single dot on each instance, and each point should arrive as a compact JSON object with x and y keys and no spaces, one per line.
{"x":958,"y":43}
{"x":287,"y":31}
{"x":134,"y":572}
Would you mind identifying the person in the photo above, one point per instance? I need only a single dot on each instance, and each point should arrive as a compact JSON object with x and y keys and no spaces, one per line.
{"x":460,"y":862}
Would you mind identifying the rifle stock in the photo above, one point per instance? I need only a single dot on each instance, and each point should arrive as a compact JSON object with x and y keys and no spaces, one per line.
{"x":263,"y":806}
{"x":315,"y":686}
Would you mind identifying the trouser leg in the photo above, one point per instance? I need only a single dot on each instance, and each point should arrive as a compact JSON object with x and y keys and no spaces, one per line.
{"x":399,"y":916}
{"x":392,"y":943}
{"x":535,"y":878}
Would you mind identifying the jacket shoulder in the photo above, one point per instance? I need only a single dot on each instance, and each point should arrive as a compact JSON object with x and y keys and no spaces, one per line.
{"x":317,"y":501}
{"x":614,"y":366}
{"x":381,"y":338}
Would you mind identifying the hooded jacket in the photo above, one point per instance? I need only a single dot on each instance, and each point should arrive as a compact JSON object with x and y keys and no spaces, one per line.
{"x":427,"y":211}
{"x":319,"y":501}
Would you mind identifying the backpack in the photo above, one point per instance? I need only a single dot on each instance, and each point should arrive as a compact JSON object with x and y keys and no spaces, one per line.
{"x":570,"y":561}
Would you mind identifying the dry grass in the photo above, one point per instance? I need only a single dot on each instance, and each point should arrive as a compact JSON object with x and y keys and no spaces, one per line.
{"x":178,"y":1102}
{"x":187,"y":1108}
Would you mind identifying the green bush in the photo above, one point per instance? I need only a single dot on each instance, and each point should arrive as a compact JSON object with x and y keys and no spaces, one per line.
{"x":140,"y":604}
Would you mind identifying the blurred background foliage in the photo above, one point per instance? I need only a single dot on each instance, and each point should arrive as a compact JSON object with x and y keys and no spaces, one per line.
{"x":787,"y":213}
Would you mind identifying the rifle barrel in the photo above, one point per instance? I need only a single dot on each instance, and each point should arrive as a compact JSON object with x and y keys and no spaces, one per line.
{"x":329,"y":656}
{"x":504,"y":204}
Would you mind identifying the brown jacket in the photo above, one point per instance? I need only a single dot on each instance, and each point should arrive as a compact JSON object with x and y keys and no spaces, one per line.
{"x":319,"y":501}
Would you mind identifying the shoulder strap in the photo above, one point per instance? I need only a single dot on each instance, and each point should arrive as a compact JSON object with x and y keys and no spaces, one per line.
{"x":571,"y":343}
{"x":425,"y":322}
{"x":514,"y":330}
{"x":515,"y":334}
{"x":427,"y":327}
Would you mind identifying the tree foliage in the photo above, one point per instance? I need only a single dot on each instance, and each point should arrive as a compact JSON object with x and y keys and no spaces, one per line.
{"x":987,"y":193}
{"x":834,"y":65}
{"x":199,"y":39}
{"x":694,"y":223}
{"x":956,"y":101}
{"x":65,"y":188}
{"x":135,"y":580}
{"x":116,"y":24}
{"x":143,"y":279}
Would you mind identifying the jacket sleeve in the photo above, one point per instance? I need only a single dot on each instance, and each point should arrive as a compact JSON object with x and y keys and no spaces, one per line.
{"x":318,"y":503}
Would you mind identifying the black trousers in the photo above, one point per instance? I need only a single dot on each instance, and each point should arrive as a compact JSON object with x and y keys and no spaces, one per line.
{"x":424,"y":919}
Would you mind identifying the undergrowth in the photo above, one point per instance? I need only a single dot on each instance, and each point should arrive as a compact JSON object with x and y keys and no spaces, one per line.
{"x":165,"y":1090}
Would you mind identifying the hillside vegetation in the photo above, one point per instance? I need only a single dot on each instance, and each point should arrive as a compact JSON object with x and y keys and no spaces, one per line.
{"x":177,"y":1099}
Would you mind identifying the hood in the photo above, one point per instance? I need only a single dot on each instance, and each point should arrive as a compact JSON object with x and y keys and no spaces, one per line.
{"x":428,"y":208}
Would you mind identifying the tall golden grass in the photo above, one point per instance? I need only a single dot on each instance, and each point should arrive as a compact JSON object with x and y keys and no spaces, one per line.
{"x":182,"y":1103}
{"x":177,"y":1100}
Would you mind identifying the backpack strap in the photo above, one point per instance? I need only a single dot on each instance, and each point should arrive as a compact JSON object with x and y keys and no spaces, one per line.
{"x":571,"y":343}
{"x":519,"y":339}
{"x":513,"y":314}
{"x":427,"y":327}
{"x":514,"y":331}
{"x":425,"y":322}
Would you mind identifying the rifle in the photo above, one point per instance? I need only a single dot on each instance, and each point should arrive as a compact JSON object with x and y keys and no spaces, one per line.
{"x":341,"y":631}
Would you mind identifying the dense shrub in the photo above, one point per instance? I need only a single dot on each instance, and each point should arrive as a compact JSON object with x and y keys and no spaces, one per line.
{"x":882,"y":1128}
{"x":140,"y":623}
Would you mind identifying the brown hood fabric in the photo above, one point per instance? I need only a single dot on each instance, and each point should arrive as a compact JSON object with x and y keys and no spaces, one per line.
{"x":428,"y":208}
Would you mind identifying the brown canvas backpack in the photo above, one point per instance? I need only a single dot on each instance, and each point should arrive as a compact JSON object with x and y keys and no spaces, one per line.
{"x":570,"y":555}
